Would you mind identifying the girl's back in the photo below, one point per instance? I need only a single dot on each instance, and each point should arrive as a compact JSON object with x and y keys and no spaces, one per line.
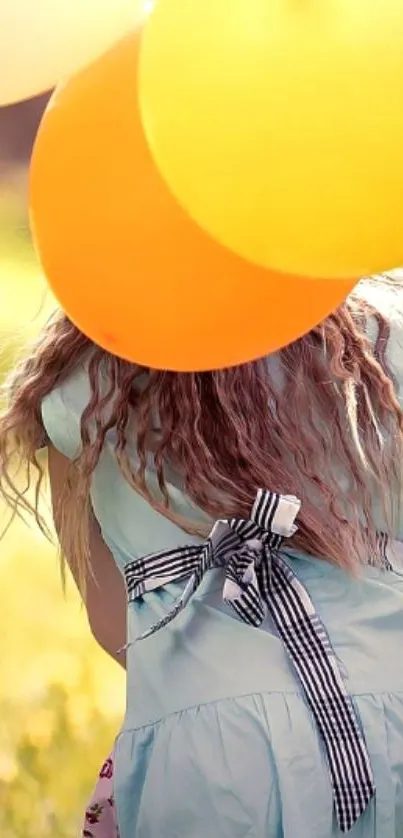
{"x":269,"y":702}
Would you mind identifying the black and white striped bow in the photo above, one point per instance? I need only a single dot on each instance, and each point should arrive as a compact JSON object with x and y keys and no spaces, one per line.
{"x":258,"y":582}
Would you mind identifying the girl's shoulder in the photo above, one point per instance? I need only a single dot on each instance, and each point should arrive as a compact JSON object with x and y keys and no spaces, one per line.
{"x":63,"y":408}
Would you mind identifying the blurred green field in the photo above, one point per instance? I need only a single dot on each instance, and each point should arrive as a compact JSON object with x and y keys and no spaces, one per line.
{"x":61,"y":699}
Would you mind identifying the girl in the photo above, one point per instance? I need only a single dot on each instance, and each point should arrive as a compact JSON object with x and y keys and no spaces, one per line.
{"x":254,"y":515}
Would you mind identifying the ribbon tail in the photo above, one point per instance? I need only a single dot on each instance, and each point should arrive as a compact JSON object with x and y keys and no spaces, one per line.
{"x":315,"y":663}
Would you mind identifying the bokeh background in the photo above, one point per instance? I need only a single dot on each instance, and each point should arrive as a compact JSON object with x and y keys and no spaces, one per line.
{"x":61,"y":698}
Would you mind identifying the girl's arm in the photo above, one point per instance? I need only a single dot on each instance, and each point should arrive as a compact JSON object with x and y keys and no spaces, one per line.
{"x":105,"y":598}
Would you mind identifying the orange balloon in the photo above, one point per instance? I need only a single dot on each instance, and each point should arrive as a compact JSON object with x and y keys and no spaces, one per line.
{"x":126,"y":263}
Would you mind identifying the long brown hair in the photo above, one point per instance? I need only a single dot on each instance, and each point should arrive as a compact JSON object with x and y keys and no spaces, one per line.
{"x":229,"y":432}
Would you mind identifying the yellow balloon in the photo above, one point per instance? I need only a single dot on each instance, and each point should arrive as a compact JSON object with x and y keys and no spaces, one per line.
{"x":278,"y":125}
{"x":44,"y":41}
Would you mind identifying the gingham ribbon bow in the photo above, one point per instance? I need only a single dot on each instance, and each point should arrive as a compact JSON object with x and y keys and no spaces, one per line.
{"x":259,"y":582}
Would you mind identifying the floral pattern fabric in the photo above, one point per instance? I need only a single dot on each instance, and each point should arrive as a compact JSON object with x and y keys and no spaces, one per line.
{"x":100,"y":816}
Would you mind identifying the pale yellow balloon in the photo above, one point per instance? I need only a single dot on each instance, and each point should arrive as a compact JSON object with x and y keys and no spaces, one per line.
{"x":278,"y":125}
{"x":44,"y":41}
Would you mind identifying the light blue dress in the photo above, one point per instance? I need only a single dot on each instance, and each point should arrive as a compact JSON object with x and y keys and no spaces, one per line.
{"x":219,"y":739}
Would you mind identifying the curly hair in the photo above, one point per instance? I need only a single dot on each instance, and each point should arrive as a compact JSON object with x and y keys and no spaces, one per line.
{"x":229,"y":432}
